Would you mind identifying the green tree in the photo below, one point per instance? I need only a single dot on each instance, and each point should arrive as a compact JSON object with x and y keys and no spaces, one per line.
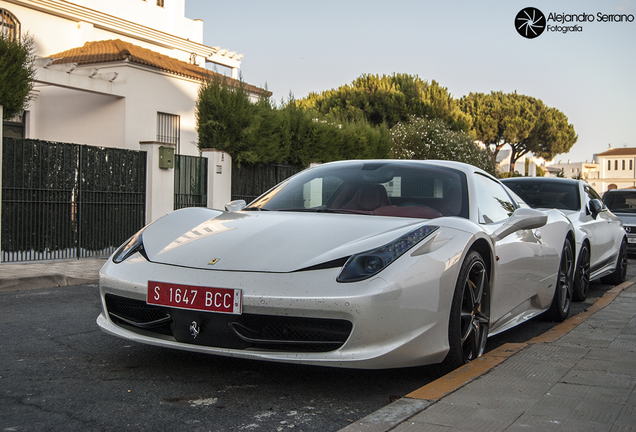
{"x":17,"y":71}
{"x":552,"y":134}
{"x":388,"y":99}
{"x":522,"y":122}
{"x":223,"y":114}
{"x":259,"y":132}
{"x":422,"y":138}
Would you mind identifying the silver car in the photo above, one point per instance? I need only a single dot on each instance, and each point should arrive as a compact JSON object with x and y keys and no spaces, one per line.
{"x":601,"y":242}
{"x":622,"y":202}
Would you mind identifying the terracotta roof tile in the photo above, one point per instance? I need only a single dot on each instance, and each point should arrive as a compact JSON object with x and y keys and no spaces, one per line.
{"x":117,"y":50}
{"x":623,"y":151}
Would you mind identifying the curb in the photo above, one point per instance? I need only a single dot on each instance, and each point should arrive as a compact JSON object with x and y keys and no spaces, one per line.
{"x":418,"y":400}
{"x":28,"y":283}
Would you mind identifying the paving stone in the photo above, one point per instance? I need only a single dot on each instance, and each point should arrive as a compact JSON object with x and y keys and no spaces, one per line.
{"x":421,"y":427}
{"x":529,"y":422}
{"x":627,"y":416}
{"x":554,"y":406}
{"x":581,"y":426}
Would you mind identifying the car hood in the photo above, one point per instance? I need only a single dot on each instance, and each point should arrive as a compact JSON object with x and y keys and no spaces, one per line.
{"x":266,"y":241}
{"x":626,"y":218}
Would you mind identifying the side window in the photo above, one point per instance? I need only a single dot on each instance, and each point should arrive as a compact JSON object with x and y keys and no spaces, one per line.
{"x":493,"y":201}
{"x":591,"y":194}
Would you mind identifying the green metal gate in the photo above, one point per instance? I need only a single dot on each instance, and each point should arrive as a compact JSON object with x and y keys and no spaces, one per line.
{"x":190,"y":181}
{"x":64,"y":200}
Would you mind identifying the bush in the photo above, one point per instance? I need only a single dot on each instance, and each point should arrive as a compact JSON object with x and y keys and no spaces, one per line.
{"x":422,"y":138}
{"x":17,"y":71}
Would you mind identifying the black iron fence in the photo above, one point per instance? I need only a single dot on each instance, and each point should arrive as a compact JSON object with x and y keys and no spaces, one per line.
{"x":69,"y":201}
{"x":250,"y":181}
{"x":190,"y":181}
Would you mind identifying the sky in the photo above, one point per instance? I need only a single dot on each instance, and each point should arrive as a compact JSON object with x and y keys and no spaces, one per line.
{"x":298,"y":47}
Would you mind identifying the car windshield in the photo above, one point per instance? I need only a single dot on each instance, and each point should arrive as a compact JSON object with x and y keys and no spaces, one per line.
{"x":399,"y":189}
{"x":547,"y":194}
{"x":621,"y":202}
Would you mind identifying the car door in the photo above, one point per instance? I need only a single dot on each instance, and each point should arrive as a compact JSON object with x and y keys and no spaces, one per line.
{"x":601,"y":231}
{"x":521,"y":268}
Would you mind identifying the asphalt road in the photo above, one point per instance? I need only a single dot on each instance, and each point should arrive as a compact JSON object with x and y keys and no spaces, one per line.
{"x":59,"y":372}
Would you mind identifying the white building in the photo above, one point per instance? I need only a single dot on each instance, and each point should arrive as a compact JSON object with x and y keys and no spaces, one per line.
{"x":115,"y":73}
{"x":584,"y":170}
{"x":617,"y":168}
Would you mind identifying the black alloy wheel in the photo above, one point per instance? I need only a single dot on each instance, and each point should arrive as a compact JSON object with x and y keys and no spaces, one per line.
{"x":582,"y":278}
{"x":620,"y":273}
{"x":562,"y":300}
{"x":470,"y":314}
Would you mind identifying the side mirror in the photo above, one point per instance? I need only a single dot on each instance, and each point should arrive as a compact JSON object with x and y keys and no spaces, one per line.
{"x":234,"y":206}
{"x":521,"y":219}
{"x":596,"y":206}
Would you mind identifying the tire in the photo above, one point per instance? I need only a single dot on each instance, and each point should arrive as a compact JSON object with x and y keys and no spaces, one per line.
{"x":562,"y":300}
{"x":620,"y":272}
{"x":582,"y":276}
{"x":469,"y":320}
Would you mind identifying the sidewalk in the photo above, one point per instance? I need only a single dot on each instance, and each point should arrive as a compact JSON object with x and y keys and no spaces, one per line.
{"x":24,"y":276}
{"x":580,"y":376}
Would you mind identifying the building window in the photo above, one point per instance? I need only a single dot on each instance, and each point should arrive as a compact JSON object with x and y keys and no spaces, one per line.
{"x":9,"y":25}
{"x":169,"y":129}
{"x":623,"y":164}
{"x":15,"y":127}
{"x":609,"y":165}
{"x":631,"y":165}
{"x":616,"y":165}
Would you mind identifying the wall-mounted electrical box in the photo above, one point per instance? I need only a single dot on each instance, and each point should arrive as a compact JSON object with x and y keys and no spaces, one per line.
{"x":166,"y":157}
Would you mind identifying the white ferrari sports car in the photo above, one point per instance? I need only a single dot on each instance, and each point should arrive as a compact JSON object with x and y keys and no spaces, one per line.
{"x":363,"y":264}
{"x":601,"y":241}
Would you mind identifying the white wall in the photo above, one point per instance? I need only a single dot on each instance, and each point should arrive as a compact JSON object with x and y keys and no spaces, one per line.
{"x":73,"y":26}
{"x":78,"y":117}
{"x":151,"y":92}
{"x":169,"y":19}
{"x":219,"y":178}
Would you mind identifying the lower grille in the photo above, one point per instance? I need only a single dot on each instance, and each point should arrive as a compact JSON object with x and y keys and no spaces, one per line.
{"x":137,"y":313}
{"x":306,"y":334}
{"x":266,"y":332}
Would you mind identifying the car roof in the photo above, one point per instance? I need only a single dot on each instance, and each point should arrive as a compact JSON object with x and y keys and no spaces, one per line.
{"x":621,"y":191}
{"x":540,"y":179}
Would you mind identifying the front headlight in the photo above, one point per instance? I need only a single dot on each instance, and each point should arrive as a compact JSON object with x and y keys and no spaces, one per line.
{"x":134,"y":244}
{"x":366,"y":264}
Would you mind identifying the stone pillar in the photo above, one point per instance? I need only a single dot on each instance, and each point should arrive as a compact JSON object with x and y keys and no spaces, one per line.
{"x":219,"y":178}
{"x":159,"y":182}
